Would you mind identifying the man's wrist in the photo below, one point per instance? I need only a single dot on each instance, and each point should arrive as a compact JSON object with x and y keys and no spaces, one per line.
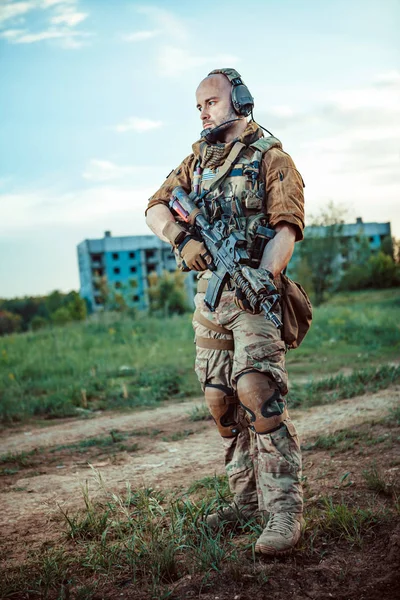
{"x":174,"y":233}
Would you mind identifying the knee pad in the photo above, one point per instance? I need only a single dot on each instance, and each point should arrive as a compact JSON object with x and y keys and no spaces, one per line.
{"x":223,"y":404}
{"x":260,"y":397}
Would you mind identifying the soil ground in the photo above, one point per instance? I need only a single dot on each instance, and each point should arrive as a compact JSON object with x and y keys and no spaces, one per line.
{"x":164,"y":448}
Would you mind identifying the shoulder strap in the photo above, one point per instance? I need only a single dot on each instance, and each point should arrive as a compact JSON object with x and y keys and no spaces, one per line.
{"x":266,"y":143}
{"x":210,"y":185}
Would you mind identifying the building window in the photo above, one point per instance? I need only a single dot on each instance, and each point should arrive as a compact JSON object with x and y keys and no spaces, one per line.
{"x":95,"y":257}
{"x":151,"y":268}
{"x":135,"y":298}
{"x":98,"y":272}
{"x":133,"y":283}
{"x":117,"y":284}
{"x":132,"y":255}
{"x":150,"y":253}
{"x":115,"y":256}
{"x":98,"y":300}
{"x":117,"y":270}
{"x":132,"y":269}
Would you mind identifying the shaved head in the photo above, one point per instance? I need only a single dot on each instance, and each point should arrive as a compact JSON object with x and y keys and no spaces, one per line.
{"x":217,"y":82}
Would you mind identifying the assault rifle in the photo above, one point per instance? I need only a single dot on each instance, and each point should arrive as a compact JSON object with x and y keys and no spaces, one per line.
{"x":230,"y":257}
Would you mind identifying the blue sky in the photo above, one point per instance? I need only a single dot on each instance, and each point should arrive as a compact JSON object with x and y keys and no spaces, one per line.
{"x":97,"y":106}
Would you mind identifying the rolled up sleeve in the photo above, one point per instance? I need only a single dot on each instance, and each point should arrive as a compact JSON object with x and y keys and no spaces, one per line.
{"x":283,"y":190}
{"x":181,"y":176}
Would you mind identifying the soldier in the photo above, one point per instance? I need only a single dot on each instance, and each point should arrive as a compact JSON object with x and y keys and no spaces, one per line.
{"x":240,"y":356}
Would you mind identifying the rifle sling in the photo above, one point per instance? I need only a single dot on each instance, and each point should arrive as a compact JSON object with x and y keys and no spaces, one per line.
{"x":200,"y":318}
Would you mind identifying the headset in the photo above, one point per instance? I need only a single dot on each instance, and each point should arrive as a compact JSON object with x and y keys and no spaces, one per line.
{"x":242,"y":100}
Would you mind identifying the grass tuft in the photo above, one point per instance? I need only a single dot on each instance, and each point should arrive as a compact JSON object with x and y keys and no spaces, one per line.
{"x":336,"y":388}
{"x":375,"y":480}
{"x":200,"y":413}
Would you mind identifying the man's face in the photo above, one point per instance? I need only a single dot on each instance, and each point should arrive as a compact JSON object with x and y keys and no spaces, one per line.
{"x":213,"y":98}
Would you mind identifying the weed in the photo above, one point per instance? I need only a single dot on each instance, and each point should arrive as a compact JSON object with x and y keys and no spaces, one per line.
{"x":114,"y":440}
{"x":217,"y":483}
{"x":200,"y":413}
{"x":179,"y":435}
{"x":20,"y":459}
{"x":336,"y":521}
{"x":374,"y":480}
{"x":344,"y":386}
{"x":394,"y":415}
{"x":344,"y":440}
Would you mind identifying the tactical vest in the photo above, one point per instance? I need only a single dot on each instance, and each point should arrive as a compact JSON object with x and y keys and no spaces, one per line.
{"x":234,"y":192}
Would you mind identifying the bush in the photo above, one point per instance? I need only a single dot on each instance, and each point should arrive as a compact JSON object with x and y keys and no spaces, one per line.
{"x":9,"y":322}
{"x":61,"y":316}
{"x":38,"y":323}
{"x":379,"y":272}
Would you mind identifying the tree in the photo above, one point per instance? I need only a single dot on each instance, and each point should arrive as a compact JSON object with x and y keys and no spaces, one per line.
{"x":9,"y":322}
{"x":61,"y":316}
{"x":388,"y":246}
{"x":322,"y":250}
{"x":76,"y":307}
{"x":167,"y":293}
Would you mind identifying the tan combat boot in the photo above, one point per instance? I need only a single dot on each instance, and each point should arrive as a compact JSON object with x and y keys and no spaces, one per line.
{"x":281,"y":534}
{"x":234,"y":514}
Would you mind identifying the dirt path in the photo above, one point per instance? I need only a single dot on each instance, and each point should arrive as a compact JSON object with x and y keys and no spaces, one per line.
{"x":159,"y":461}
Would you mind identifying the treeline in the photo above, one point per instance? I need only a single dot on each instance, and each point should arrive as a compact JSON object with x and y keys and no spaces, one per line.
{"x":327,"y":261}
{"x":35,"y":312}
{"x":166,"y":293}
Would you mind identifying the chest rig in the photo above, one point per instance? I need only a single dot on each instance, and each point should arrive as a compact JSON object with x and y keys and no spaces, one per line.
{"x":235,"y":193}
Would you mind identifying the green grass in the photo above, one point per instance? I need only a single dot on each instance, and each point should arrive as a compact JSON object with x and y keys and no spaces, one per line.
{"x":332,"y":521}
{"x":335,"y":388}
{"x":115,"y":362}
{"x":19,"y":459}
{"x":343,"y":440}
{"x":153,"y":539}
{"x":179,"y":435}
{"x":200,"y":413}
{"x":375,"y":480}
{"x":353,"y":329}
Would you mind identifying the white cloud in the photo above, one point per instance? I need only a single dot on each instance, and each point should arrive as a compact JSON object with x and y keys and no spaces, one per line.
{"x":174,"y":61}
{"x":105,"y":170}
{"x":140,"y":36}
{"x":27,"y":211}
{"x":137,"y":124}
{"x":12,"y":34}
{"x":67,"y":38}
{"x":59,"y":17}
{"x":69,"y":18}
{"x":347,"y":148}
{"x":11,"y":10}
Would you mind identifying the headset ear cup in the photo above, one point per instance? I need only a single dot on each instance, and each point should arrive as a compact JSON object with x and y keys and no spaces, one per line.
{"x":242,"y":100}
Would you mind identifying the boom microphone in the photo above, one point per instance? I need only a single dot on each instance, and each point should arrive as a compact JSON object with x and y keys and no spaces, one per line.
{"x":211,"y":135}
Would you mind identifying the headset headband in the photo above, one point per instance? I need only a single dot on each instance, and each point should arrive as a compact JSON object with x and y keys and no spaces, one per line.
{"x":242,"y":100}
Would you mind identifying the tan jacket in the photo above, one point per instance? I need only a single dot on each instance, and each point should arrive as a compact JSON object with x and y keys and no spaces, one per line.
{"x":284,"y":198}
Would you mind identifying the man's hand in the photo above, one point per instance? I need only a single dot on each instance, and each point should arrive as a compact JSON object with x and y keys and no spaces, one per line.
{"x":265,"y":280}
{"x":194,"y":254}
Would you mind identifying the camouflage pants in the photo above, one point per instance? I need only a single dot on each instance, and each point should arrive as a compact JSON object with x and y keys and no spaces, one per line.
{"x":263,"y":468}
